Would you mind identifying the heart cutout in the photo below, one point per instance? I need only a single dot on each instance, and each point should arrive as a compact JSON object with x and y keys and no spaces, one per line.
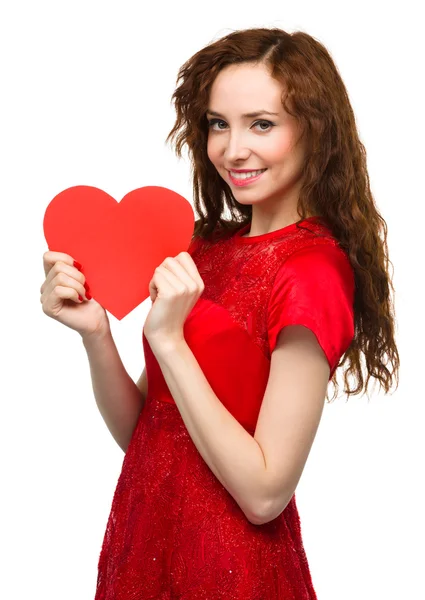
{"x":119,"y":244}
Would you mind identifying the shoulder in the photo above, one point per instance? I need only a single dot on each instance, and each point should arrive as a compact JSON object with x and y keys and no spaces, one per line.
{"x":321,"y":249}
{"x":316,"y":261}
{"x":315,"y":287}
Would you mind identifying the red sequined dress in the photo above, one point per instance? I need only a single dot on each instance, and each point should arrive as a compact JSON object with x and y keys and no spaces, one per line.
{"x":174,"y":531}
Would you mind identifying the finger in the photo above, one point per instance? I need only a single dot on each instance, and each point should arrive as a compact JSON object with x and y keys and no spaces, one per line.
{"x":172,"y":283}
{"x":60,"y":267}
{"x":160,"y":283}
{"x":50,"y":258}
{"x":188,"y":263}
{"x":65,"y":293}
{"x":183,"y":270}
{"x":62,"y":280}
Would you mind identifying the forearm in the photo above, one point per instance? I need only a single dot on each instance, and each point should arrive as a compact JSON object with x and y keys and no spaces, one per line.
{"x":117,"y":396}
{"x":232,"y":454}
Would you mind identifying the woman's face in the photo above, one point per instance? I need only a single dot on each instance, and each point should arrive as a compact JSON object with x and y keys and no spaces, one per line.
{"x":265,"y":141}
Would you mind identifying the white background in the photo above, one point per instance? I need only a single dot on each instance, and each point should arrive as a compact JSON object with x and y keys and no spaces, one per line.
{"x":85,"y":100}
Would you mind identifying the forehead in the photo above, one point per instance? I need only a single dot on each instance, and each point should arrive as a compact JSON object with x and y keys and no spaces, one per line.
{"x":249,"y":87}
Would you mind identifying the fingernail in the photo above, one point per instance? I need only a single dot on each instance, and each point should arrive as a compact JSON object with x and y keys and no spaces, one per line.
{"x":88,"y":295}
{"x":77,"y":265}
{"x":80,"y":298}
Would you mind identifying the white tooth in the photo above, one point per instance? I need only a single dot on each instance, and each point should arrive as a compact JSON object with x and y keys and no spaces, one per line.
{"x":247,"y":175}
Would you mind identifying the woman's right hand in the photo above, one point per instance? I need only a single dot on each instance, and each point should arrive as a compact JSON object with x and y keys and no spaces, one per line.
{"x":59,"y":296}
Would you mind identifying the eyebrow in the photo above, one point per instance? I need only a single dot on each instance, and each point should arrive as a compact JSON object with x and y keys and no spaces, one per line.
{"x":246,"y":115}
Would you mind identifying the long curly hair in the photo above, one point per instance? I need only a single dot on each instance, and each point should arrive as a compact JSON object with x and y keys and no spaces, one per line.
{"x":335,"y":177}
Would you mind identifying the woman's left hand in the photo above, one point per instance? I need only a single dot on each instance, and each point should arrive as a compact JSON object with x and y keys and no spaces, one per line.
{"x":174,"y":290}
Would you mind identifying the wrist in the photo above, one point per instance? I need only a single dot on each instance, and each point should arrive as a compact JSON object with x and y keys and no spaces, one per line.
{"x":163,"y":344}
{"x":95,"y":336}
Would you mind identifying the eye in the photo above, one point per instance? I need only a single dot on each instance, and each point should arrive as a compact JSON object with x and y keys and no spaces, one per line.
{"x":212,"y":122}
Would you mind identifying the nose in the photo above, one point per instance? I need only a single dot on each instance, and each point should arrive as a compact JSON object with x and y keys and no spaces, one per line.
{"x":236,"y":154}
{"x":235,"y":149}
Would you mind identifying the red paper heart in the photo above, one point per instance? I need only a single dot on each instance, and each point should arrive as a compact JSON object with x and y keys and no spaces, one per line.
{"x":119,"y":244}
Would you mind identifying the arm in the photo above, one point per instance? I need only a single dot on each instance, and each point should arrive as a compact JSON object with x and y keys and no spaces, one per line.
{"x":118,"y":398}
{"x":231,"y":453}
{"x":290,"y":412}
{"x":259,"y":472}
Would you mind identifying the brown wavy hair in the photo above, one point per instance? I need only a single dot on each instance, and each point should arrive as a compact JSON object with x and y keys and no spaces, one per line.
{"x":335,"y":177}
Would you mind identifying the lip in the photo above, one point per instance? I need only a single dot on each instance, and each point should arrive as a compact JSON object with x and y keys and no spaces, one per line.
{"x":242,"y":182}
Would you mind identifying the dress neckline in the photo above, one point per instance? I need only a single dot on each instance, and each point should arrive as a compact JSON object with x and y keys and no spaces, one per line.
{"x":237,"y":236}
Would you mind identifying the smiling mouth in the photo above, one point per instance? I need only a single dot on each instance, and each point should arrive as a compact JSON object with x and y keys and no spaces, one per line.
{"x":247,"y":174}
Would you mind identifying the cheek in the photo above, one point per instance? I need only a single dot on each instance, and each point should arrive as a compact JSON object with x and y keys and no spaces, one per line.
{"x":280,"y":149}
{"x":212,"y":150}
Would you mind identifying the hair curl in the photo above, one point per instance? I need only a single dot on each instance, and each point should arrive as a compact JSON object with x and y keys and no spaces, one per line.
{"x":335,"y":185}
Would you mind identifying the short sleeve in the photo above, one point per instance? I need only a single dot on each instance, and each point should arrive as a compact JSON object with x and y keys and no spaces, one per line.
{"x":315,"y":287}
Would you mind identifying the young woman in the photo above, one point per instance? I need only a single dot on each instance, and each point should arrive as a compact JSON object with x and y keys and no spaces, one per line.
{"x":285,"y":280}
